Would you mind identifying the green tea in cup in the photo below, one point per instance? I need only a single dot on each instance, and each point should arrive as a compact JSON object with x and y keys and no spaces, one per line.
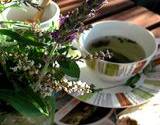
{"x":116,"y":49}
{"x":125,"y":49}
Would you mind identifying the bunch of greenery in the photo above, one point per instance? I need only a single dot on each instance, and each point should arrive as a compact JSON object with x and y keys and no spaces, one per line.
{"x":34,"y":62}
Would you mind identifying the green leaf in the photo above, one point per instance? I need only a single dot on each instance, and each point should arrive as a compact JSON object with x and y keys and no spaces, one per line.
{"x":3,"y":116}
{"x":59,"y":74}
{"x":133,"y":80}
{"x":37,"y":100}
{"x":2,"y":7}
{"x":70,"y":68}
{"x":52,"y":107}
{"x":29,"y":35}
{"x":7,"y":44}
{"x":52,"y":103}
{"x":33,"y":97}
{"x":86,"y":96}
{"x":62,"y":50}
{"x":20,"y":102}
{"x":20,"y":39}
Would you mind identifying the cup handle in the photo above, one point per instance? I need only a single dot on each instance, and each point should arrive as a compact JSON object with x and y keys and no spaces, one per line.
{"x":79,"y":47}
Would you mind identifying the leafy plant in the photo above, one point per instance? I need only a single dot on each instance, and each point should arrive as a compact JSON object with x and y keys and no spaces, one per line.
{"x":35,"y":62}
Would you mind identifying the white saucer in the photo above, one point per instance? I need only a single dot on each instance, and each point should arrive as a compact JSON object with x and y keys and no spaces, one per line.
{"x":119,"y":96}
{"x":116,"y":96}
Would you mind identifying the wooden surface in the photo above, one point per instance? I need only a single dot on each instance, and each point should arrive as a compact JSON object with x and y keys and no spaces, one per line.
{"x":156,"y":31}
{"x":137,"y":15}
{"x":124,"y":10}
{"x":113,"y":7}
{"x":68,"y":5}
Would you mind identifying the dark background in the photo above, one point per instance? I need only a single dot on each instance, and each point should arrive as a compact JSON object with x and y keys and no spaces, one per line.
{"x":153,"y":5}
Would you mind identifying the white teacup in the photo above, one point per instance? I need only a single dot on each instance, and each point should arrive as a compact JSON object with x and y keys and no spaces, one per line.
{"x":112,"y":71}
{"x":51,"y":15}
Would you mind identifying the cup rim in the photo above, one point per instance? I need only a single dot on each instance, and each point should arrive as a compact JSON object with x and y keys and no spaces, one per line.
{"x":124,"y":22}
{"x":57,"y":13}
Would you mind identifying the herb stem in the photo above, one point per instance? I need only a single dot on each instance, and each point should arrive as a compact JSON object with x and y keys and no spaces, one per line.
{"x":44,"y":70}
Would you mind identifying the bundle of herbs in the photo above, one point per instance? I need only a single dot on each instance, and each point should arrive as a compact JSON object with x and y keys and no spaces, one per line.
{"x":34,"y":62}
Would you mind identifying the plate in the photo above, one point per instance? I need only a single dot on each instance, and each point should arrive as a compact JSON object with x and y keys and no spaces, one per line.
{"x":119,"y":95}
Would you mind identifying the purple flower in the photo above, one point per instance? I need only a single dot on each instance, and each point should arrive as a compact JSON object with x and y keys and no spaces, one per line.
{"x":72,"y":35}
{"x":55,"y":35}
{"x":63,"y":19}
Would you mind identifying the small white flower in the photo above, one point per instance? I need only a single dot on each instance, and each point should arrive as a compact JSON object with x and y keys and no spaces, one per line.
{"x":31,"y":72}
{"x":49,"y":75}
{"x":70,"y":84}
{"x":45,"y":53}
{"x":36,"y":71}
{"x":32,"y":63}
{"x":25,"y":68}
{"x":39,"y":65}
{"x":14,"y":69}
{"x":10,"y":54}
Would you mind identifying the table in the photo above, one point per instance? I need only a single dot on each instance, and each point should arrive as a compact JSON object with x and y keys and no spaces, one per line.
{"x":125,"y":10}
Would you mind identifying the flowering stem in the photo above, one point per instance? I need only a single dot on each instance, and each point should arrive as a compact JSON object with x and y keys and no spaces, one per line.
{"x":44,"y":69}
{"x":52,"y":116}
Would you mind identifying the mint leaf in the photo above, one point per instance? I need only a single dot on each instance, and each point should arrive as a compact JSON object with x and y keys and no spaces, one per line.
{"x":21,"y":103}
{"x":133,"y":80}
{"x":70,"y":68}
